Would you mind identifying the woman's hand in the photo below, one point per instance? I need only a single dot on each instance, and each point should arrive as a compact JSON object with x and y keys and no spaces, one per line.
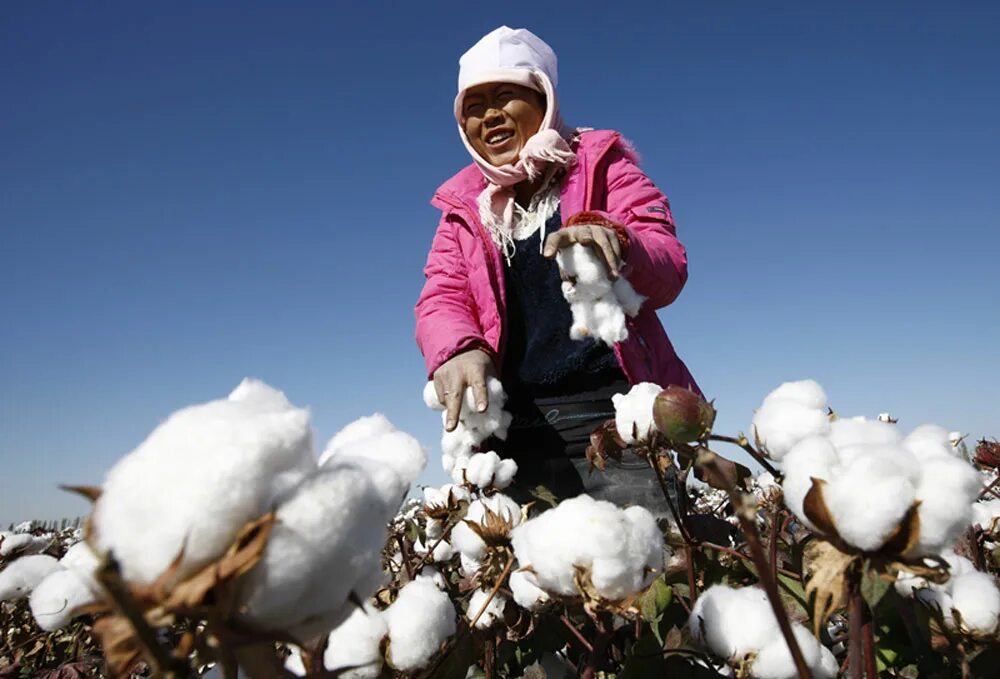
{"x":467,"y":369}
{"x":603,"y":240}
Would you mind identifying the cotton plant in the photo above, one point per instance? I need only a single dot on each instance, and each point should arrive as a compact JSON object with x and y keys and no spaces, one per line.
{"x":968,"y":601}
{"x":488,"y":606}
{"x":738,"y":626}
{"x":473,"y":427}
{"x":354,"y":649}
{"x":600,"y":307}
{"x":590,"y":547}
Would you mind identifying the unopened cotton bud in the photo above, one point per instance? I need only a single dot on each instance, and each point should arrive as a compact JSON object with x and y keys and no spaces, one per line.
{"x":682,"y":415}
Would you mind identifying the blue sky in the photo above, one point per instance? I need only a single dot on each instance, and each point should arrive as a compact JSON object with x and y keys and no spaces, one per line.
{"x":195,"y":192}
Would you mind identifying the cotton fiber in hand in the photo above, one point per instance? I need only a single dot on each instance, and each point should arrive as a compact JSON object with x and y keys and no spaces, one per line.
{"x":621,"y":549}
{"x":599,"y":307}
{"x":473,"y":427}
{"x":198,"y":478}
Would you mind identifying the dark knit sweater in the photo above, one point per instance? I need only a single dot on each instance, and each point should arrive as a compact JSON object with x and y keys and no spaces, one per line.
{"x":540,"y":360}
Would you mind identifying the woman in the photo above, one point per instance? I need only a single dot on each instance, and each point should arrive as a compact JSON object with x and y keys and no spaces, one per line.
{"x":492,"y":303}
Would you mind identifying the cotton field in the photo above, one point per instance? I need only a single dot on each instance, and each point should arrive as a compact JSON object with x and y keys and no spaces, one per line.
{"x":861,"y":548}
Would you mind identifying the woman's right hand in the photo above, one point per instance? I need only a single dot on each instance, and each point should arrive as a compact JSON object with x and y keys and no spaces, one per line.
{"x":467,"y":369}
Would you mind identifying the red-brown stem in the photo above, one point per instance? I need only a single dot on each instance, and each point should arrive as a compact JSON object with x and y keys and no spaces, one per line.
{"x":404,"y":552}
{"x":496,"y":588}
{"x":772,"y":544}
{"x":670,"y":503}
{"x":745,"y":557}
{"x":868,"y":636}
{"x":489,"y":658}
{"x":576,"y":633}
{"x":604,"y":633}
{"x":430,"y":550}
{"x":990,"y":488}
{"x":855,"y":617}
{"x":748,"y":524}
{"x":692,"y":584}
{"x":753,"y":452}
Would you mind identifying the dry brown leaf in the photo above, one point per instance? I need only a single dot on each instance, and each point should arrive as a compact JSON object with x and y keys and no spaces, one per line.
{"x":904,"y":539}
{"x":827,"y":570}
{"x":494,"y":529}
{"x":121,"y":648}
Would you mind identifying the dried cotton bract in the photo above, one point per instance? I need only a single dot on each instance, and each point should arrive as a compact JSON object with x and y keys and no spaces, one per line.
{"x":599,"y":306}
{"x":738,"y":624}
{"x":620,"y":550}
{"x":199,"y":478}
{"x":473,"y":427}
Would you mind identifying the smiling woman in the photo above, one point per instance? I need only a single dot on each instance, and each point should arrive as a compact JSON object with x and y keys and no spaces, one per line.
{"x":493,"y":303}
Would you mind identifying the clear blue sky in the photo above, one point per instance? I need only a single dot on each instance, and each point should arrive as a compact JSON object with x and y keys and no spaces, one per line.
{"x":195,"y":192}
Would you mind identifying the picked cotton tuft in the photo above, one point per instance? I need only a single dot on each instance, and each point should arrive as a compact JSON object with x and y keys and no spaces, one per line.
{"x":621,"y":550}
{"x":22,"y":575}
{"x":598,"y":306}
{"x":199,"y":478}
{"x":473,"y":427}
{"x":419,"y":621}
{"x":634,"y":412}
{"x":792,"y":412}
{"x":493,"y":612}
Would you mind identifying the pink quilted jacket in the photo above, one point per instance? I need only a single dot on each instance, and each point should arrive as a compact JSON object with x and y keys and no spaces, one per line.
{"x":462,"y":304}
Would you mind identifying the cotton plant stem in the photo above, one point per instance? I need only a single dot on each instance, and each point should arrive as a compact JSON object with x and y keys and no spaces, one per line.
{"x":692,"y":583}
{"x":753,"y":452}
{"x":576,"y":633}
{"x":868,"y":636}
{"x":746,"y":516}
{"x":855,"y":613}
{"x":496,"y":588}
{"x":404,"y":552}
{"x":990,"y":488}
{"x":445,"y":533}
{"x":746,"y":557}
{"x":605,"y":632}
{"x":670,"y":503}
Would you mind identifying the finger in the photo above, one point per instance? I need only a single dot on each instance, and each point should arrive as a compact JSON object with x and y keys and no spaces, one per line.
{"x":603,"y":246}
{"x":479,"y":393}
{"x":553,"y":242}
{"x":453,"y":407}
{"x":439,"y":389}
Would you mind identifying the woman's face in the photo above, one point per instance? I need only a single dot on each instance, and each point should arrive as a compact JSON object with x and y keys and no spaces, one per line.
{"x":499,"y":118}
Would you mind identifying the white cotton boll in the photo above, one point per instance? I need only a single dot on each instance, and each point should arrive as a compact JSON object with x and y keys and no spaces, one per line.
{"x":814,"y":457}
{"x":617,"y":546}
{"x":433,"y":575}
{"x":356,"y":644}
{"x":805,"y":392}
{"x":57,"y":596}
{"x":859,"y":431}
{"x":634,"y":411}
{"x":930,"y":441}
{"x":419,"y":621}
{"x":431,"y":398}
{"x":481,"y":469}
{"x":494,"y":609}
{"x":506,"y":471}
{"x":947,"y":489}
{"x":199,"y":478}
{"x":985,"y":513}
{"x":326,"y":544}
{"x":467,"y":542}
{"x":81,"y":559}
{"x":294,"y":664}
{"x":609,"y":320}
{"x":867,"y":500}
{"x":19,"y":543}
{"x":527,"y":593}
{"x":630,"y":300}
{"x":781,"y":423}
{"x":976,"y":597}
{"x":733,"y":622}
{"x":775,"y":659}
{"x":467,"y":565}
{"x":23,"y":574}
{"x":443,"y":550}
{"x":361,"y":429}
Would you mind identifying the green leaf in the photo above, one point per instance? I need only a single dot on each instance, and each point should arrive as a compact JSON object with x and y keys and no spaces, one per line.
{"x":873,"y":586}
{"x":655,"y":600}
{"x":545,"y":495}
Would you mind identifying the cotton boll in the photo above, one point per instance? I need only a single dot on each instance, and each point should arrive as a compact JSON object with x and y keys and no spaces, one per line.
{"x":630,"y":300}
{"x":199,"y":478}
{"x":56,"y":597}
{"x":81,"y":559}
{"x":494,"y":609}
{"x":356,"y":644}
{"x":468,"y":542}
{"x":733,"y":622}
{"x":467,"y":565}
{"x":859,"y":431}
{"x":419,"y":621}
{"x":948,"y":487}
{"x":781,"y":423}
{"x":433,"y":575}
{"x":814,"y":457}
{"x":431,"y":398}
{"x":501,"y":505}
{"x":930,"y":441}
{"x":634,"y":411}
{"x":18,"y":543}
{"x":828,"y":667}
{"x":804,"y":392}
{"x":775,"y":659}
{"x":482,"y":469}
{"x":609,"y":320}
{"x":985,"y":513}
{"x":443,"y":551}
{"x":325,"y":544}
{"x":976,"y":597}
{"x":22,"y":575}
{"x":867,"y":501}
{"x":361,"y":429}
{"x":527,"y":593}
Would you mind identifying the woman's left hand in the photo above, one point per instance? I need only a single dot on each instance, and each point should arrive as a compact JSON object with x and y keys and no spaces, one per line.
{"x":603,"y":240}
